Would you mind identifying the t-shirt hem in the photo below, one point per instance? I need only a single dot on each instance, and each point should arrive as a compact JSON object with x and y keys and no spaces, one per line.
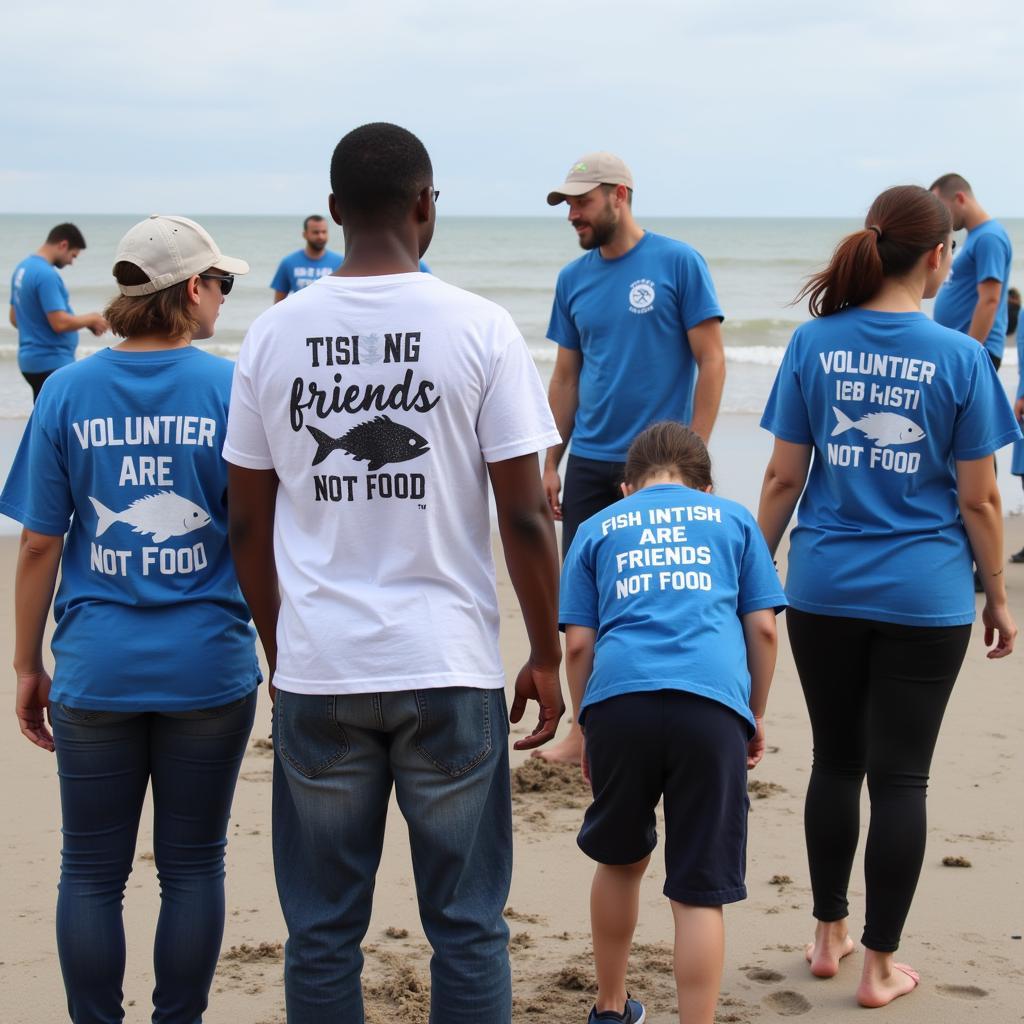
{"x":623,"y":687}
{"x":981,"y":450}
{"x":438,"y":680}
{"x":586,"y":452}
{"x":85,"y":702}
{"x":238,"y":458}
{"x":526,"y":446}
{"x":30,"y":522}
{"x":709,"y":313}
{"x":881,"y":614}
{"x":785,"y":435}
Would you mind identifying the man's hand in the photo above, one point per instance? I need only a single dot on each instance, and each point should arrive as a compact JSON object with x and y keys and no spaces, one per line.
{"x":552,"y":491}
{"x":96,"y":324}
{"x":999,"y":628}
{"x":755,"y":747}
{"x":32,"y":704}
{"x":585,"y":764}
{"x":543,"y":686}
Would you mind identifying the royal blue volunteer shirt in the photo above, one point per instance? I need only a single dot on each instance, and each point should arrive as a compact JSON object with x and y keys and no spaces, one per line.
{"x":297,"y":270}
{"x":37,"y":289}
{"x":123,"y":453}
{"x":664,"y":577}
{"x":986,"y":256}
{"x":628,"y":317}
{"x":889,"y":401}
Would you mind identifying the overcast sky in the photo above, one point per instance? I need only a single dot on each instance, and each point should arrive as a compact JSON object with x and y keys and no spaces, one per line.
{"x":721,"y":107}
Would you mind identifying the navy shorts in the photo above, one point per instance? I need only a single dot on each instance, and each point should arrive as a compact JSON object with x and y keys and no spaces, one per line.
{"x":692,"y":751}
{"x":590,"y":486}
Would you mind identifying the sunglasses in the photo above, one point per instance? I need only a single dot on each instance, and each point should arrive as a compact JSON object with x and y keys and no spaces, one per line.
{"x":227,"y":281}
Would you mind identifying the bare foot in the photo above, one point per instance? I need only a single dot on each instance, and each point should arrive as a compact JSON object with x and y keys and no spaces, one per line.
{"x":566,"y":751}
{"x":831,"y":943}
{"x":880,"y":991}
{"x":825,"y":953}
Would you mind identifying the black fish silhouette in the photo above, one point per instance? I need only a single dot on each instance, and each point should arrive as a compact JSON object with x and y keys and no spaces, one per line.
{"x":380,"y":440}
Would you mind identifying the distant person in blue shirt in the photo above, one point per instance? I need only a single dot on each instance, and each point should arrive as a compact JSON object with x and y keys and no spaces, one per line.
{"x":668,"y":600}
{"x":891,"y":421}
{"x":306,"y":265}
{"x":41,"y":311}
{"x":1017,"y":466}
{"x":638,"y":328}
{"x":974,"y":298}
{"x":155,"y":669}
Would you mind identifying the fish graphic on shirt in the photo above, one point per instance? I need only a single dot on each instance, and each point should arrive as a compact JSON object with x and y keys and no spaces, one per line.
{"x":164,"y":515}
{"x":379,"y":440}
{"x":884,"y":428}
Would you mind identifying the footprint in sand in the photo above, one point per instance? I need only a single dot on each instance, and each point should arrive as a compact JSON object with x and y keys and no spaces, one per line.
{"x":962,"y":991}
{"x":765,"y":975}
{"x":787,"y":1004}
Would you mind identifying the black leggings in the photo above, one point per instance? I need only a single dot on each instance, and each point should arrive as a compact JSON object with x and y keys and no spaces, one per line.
{"x":876,"y":693}
{"x":35,"y":382}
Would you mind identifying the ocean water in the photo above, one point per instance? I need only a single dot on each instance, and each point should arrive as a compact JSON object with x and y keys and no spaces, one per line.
{"x":758,"y":265}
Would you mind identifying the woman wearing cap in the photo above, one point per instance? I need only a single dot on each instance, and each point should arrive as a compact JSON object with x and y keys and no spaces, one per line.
{"x":902,"y":417}
{"x":155,"y":668}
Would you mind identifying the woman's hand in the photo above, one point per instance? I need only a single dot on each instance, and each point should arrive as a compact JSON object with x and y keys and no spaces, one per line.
{"x":585,"y":763}
{"x":755,"y":748}
{"x":32,"y":705}
{"x":999,"y":627}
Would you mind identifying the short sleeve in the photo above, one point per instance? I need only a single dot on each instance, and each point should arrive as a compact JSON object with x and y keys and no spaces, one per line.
{"x":561,"y":329}
{"x":282,"y":279}
{"x":991,"y":258}
{"x":759,"y":582}
{"x":514,"y":417}
{"x":37,"y":492}
{"x":52,"y":297}
{"x":577,"y":595}
{"x":246,"y":444}
{"x":785,"y":415}
{"x":698,"y":300}
{"x":984,"y":421}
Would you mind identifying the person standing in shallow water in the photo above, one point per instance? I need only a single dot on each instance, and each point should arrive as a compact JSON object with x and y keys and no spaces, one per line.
{"x":891,"y":421}
{"x":639,"y":334}
{"x":155,"y":660}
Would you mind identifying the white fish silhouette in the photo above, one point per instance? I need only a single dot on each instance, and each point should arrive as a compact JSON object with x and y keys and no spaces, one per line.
{"x":163,"y":515}
{"x":884,"y":428}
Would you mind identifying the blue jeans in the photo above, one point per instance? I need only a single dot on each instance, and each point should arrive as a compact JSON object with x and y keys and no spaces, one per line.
{"x":336,"y":757}
{"x":105,"y":760}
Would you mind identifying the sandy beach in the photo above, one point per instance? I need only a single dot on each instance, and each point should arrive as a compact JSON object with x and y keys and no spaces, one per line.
{"x":963,"y":933}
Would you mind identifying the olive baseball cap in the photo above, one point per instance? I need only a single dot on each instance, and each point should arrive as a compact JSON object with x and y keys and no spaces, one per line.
{"x":170,"y":250}
{"x":588,"y":172}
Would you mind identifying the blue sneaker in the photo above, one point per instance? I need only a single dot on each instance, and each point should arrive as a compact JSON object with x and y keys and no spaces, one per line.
{"x":634,"y":1013}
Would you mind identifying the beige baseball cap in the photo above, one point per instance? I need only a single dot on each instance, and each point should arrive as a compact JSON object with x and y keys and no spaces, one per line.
{"x":588,"y":172}
{"x":171,"y":250}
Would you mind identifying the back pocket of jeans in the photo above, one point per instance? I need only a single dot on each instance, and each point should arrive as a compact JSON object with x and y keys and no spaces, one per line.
{"x":306,"y":732}
{"x":455,"y":727}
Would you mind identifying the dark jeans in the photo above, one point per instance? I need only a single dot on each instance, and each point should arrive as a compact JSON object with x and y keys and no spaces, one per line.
{"x":106,"y":760}
{"x":445,"y":751}
{"x":876,"y":693}
{"x":590,"y":485}
{"x":35,"y":382}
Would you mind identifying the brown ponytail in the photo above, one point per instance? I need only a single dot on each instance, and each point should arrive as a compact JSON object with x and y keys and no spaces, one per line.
{"x":668,"y":447}
{"x":903,"y":223}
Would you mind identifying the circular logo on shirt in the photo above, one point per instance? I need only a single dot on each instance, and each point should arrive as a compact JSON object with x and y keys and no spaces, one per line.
{"x":641,"y":296}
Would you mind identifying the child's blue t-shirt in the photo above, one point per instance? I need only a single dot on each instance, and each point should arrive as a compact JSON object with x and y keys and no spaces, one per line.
{"x":37,"y":288}
{"x":123,"y":453}
{"x":629,"y":317}
{"x":890,"y":402}
{"x":986,"y":256}
{"x":664,"y":576}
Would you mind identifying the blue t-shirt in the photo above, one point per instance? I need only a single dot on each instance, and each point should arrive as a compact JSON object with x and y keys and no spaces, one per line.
{"x":1017,"y":465}
{"x":123,"y":452}
{"x":889,"y":401}
{"x":986,"y":256}
{"x":628,"y":317}
{"x":664,"y":577}
{"x":37,"y":289}
{"x":299,"y":271}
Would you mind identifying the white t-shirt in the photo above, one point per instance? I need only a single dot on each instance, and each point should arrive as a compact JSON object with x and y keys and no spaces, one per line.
{"x":379,"y":401}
